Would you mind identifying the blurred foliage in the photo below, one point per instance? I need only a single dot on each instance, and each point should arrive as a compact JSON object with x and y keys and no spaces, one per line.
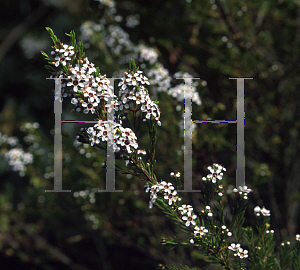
{"x":213,"y":40}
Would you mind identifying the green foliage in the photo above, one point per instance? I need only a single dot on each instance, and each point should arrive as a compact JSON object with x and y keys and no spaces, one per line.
{"x":170,"y":213}
{"x":165,"y":267}
{"x":212,"y":41}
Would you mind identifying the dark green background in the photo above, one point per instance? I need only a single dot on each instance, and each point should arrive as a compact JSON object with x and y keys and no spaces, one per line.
{"x":55,"y":234}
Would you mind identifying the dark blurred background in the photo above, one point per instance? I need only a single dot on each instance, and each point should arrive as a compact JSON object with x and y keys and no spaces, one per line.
{"x":213,"y":40}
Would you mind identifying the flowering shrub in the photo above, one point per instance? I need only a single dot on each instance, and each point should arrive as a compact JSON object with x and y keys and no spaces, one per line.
{"x":210,"y":231}
{"x":13,"y":151}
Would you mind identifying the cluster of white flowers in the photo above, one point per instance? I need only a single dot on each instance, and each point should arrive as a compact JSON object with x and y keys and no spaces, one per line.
{"x":114,"y":134}
{"x":169,"y":193}
{"x":110,"y":4}
{"x":89,"y":90}
{"x":90,"y":194}
{"x":87,"y":29}
{"x":179,"y":92}
{"x":262,"y":211}
{"x":244,"y":190}
{"x":187,"y":214}
{"x":132,"y":81}
{"x":93,"y":89}
{"x":63,"y":55}
{"x":215,"y":173}
{"x":181,"y":126}
{"x":132,"y":20}
{"x":200,"y":231}
{"x":117,"y":39}
{"x":238,"y":250}
{"x":18,"y":159}
{"x":147,"y":54}
{"x":12,"y":141}
{"x":159,"y":77}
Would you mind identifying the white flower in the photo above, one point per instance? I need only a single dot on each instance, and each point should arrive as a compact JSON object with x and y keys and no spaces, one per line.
{"x":171,"y":197}
{"x":143,"y":80}
{"x":185,"y":208}
{"x":91,"y":95}
{"x":200,"y":230}
{"x":132,"y":20}
{"x":234,"y":247}
{"x":215,"y":173}
{"x":245,"y":189}
{"x":147,"y":54}
{"x":189,"y":219}
{"x":17,"y":158}
{"x":94,"y":138}
{"x":89,"y":107}
{"x":132,"y":78}
{"x":257,"y":210}
{"x":265,"y":212}
{"x":243,"y":254}
{"x":74,"y":101}
{"x":167,"y":187}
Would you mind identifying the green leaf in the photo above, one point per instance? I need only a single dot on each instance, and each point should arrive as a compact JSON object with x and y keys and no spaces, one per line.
{"x":171,"y":213}
{"x":52,"y":36}
{"x":45,"y":55}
